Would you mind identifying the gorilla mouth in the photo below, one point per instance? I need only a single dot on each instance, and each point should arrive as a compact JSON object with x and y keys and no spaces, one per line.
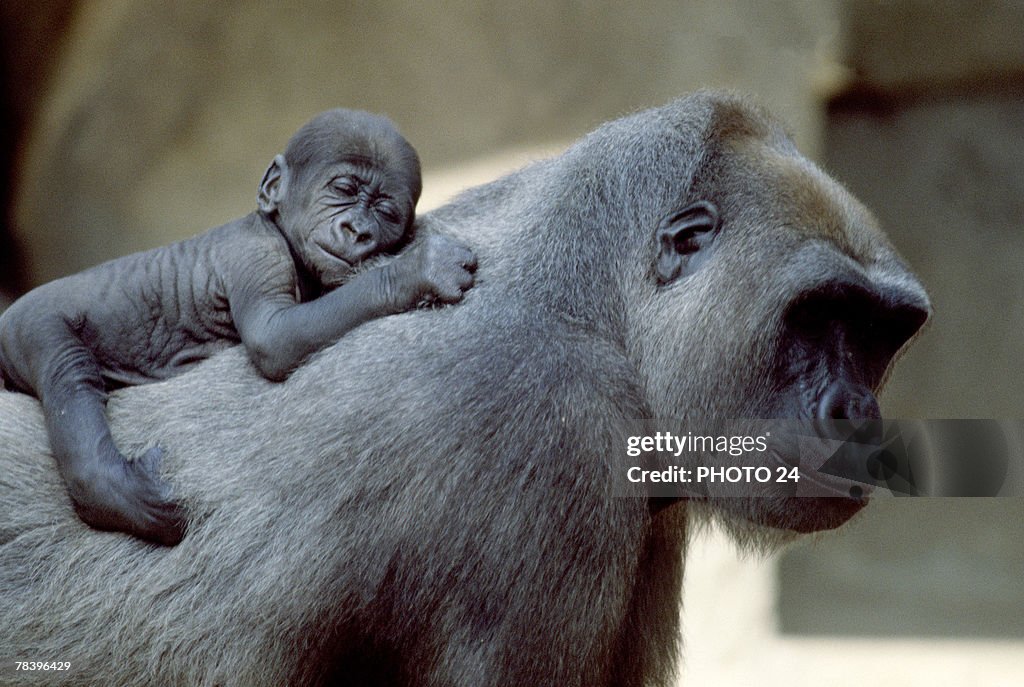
{"x":834,"y":486}
{"x":815,"y":482}
{"x":334,"y":253}
{"x":823,"y":501}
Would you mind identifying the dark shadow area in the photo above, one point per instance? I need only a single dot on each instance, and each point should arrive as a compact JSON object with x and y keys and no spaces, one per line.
{"x":30,"y":36}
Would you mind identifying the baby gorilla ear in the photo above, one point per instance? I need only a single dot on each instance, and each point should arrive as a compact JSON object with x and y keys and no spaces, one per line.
{"x":274,"y":185}
{"x":684,"y":241}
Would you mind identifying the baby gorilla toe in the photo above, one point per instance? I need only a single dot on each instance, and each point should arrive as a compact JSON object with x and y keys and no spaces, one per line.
{"x":129,"y":496}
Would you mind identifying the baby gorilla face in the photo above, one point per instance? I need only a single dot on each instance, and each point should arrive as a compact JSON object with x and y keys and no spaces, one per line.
{"x":344,"y":190}
{"x":352,"y":210}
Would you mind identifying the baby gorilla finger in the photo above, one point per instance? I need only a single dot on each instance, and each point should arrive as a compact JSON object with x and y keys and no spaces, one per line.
{"x":467,"y":258}
{"x":465,"y":278}
{"x":450,"y":288}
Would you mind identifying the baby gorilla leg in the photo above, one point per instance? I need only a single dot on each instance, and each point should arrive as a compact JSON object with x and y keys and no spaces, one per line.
{"x":109,"y":492}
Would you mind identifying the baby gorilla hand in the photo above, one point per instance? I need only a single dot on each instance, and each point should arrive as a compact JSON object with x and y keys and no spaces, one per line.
{"x":438,"y":269}
{"x":129,"y":496}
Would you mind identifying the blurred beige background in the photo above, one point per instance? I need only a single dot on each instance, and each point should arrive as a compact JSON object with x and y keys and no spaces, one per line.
{"x":127,"y":124}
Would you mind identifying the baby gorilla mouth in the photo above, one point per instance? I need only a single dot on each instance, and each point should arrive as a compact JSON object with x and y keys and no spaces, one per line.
{"x":335,"y":252}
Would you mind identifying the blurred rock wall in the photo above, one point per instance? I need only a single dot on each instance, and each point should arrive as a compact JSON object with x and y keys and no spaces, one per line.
{"x":29,"y":33}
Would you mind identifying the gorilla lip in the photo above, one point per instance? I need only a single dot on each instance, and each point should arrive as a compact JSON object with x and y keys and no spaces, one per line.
{"x":333,"y":254}
{"x":825,"y":484}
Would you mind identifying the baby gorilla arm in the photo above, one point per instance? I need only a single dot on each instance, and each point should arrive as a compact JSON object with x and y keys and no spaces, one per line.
{"x":279,"y":333}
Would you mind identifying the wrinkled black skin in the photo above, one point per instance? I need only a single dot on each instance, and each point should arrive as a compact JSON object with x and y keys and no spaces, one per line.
{"x":838,"y":340}
{"x":345,"y":190}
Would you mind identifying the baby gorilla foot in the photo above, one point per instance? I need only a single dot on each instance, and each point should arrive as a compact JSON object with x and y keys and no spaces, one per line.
{"x":129,"y":496}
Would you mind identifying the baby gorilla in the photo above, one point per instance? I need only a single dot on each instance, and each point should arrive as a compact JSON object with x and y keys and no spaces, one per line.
{"x":279,"y":280}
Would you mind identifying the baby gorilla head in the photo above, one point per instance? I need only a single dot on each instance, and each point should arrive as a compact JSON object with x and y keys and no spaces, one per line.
{"x":344,"y":190}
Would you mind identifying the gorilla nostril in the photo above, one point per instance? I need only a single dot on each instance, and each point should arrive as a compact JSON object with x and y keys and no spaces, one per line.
{"x":846,"y":401}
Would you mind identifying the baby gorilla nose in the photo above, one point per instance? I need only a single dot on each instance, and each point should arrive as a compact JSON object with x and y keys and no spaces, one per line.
{"x":844,"y":400}
{"x":362,"y":242}
{"x":357,"y":235}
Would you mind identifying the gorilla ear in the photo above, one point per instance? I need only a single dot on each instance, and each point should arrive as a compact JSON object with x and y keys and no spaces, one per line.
{"x":273,"y":186}
{"x":684,"y":241}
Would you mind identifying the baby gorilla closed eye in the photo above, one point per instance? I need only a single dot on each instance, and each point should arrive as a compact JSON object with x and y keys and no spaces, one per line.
{"x":279,"y":280}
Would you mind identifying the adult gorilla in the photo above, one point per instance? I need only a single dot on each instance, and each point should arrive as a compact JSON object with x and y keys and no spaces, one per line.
{"x":430,"y":502}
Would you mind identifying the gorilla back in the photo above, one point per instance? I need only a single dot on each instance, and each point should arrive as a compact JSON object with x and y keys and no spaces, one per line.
{"x":429,"y":502}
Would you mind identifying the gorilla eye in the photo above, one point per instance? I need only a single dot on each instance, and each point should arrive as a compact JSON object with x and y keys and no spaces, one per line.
{"x":389,"y":212}
{"x":346,"y":186}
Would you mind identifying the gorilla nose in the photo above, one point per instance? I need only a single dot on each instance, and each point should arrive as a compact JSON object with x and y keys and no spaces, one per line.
{"x":362,"y":241}
{"x":846,"y":401}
